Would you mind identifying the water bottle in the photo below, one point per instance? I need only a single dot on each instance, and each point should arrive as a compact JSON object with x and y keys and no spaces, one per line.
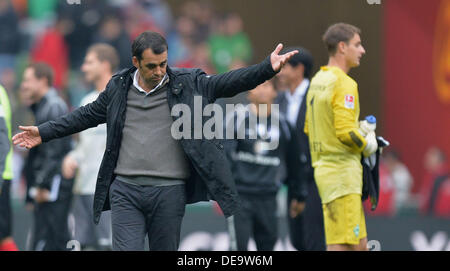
{"x":368,"y":125}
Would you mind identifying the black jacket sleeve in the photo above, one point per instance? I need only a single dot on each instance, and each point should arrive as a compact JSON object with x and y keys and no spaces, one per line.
{"x":52,"y":154}
{"x":80,"y":119}
{"x":296,"y":184}
{"x":233,"y":82}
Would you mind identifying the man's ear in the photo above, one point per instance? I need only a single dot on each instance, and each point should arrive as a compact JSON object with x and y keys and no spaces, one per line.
{"x":341,"y":47}
{"x":135,"y":62}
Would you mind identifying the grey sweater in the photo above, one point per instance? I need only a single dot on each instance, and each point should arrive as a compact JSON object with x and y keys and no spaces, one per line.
{"x":149,"y":155}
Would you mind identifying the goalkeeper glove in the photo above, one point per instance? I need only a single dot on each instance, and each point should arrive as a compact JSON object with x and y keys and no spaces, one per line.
{"x":372,"y":144}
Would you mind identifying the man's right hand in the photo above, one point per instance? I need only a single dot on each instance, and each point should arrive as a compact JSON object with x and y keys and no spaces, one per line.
{"x":29,"y":138}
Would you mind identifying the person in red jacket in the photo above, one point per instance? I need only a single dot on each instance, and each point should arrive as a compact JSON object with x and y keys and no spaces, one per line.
{"x":51,"y":48}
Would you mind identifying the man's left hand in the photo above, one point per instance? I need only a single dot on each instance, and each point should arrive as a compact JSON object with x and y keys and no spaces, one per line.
{"x":296,"y":208}
{"x":278,"y":61}
{"x":42,"y":195}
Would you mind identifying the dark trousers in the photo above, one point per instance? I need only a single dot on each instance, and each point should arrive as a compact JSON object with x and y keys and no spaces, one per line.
{"x":5,"y":210}
{"x":153,"y":210}
{"x":256,"y":217}
{"x":51,"y":230}
{"x":307,"y":230}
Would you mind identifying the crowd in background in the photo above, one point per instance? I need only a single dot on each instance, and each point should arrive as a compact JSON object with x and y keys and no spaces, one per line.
{"x":59,"y":34}
{"x":396,"y":185}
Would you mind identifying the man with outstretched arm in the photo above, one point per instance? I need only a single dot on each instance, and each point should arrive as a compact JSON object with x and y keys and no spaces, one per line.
{"x":147,"y":176}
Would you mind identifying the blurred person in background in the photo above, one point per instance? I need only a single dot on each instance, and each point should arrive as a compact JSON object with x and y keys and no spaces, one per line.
{"x":401,"y":179}
{"x":82,"y":22}
{"x":6,"y":241}
{"x":202,"y":14}
{"x":113,"y":32}
{"x":181,"y":41}
{"x":9,"y":42}
{"x":203,"y":20}
{"x":255,"y":165}
{"x":84,"y":160}
{"x":50,"y":194}
{"x":51,"y":48}
{"x":306,"y":230}
{"x":434,"y":191}
{"x":199,"y":57}
{"x":81,"y":25}
{"x":192,"y":28}
{"x":230,"y":42}
{"x":160,"y":12}
{"x":138,"y":20}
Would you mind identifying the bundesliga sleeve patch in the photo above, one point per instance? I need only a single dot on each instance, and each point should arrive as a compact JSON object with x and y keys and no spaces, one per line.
{"x":350,"y":101}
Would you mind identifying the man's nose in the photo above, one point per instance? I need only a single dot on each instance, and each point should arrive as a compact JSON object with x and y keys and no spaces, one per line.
{"x":158,"y":71}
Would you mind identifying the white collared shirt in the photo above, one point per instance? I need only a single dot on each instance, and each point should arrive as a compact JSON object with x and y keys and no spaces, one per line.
{"x":295,"y":100}
{"x":136,"y":83}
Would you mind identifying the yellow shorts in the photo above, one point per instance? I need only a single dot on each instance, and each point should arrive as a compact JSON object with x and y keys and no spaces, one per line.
{"x":344,"y":220}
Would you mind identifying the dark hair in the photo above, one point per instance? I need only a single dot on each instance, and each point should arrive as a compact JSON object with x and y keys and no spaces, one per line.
{"x":303,"y":57}
{"x":42,"y":70}
{"x":337,"y":33}
{"x":106,"y":52}
{"x":147,"y":40}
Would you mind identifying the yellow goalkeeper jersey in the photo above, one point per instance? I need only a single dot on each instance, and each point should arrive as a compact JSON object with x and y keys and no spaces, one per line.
{"x":332,"y":127}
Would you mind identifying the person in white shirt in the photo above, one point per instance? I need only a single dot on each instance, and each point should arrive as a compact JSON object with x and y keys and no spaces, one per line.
{"x":402,"y":179}
{"x":83,"y":162}
{"x":307,"y":229}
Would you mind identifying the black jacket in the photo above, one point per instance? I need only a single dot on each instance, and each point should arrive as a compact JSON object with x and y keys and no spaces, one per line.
{"x":307,"y":171}
{"x":256,"y":170}
{"x":210,"y":175}
{"x":44,"y":161}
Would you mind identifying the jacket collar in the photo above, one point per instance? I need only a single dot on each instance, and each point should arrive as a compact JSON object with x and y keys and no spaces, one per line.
{"x":127,"y":79}
{"x":175,"y":86}
{"x":49,"y":95}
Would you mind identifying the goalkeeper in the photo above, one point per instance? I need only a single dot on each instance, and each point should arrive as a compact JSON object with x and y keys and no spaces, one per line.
{"x":336,"y":141}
